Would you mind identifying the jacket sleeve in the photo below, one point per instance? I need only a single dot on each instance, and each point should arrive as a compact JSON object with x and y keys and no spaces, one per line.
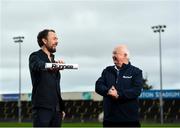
{"x":35,"y":63}
{"x":62,"y":106}
{"x":135,"y":91}
{"x":101,"y":86}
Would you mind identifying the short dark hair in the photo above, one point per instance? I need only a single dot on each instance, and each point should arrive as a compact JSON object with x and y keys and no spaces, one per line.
{"x":43,"y":34}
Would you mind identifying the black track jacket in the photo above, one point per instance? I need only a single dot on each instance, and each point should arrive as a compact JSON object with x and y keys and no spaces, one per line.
{"x":46,"y":84}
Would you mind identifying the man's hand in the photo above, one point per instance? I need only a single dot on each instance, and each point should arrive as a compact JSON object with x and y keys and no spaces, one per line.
{"x":58,"y":68}
{"x":60,"y":62}
{"x":113,"y":92}
{"x":63,"y":115}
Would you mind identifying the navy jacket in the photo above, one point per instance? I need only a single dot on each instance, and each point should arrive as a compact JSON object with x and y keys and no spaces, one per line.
{"x":128,"y":82}
{"x":46,"y":83}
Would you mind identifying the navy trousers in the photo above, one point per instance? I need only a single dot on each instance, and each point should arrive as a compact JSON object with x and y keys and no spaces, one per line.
{"x":43,"y":117}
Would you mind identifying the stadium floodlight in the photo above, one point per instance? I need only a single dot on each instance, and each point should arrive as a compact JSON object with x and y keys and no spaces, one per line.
{"x":159,"y":29}
{"x":19,"y":40}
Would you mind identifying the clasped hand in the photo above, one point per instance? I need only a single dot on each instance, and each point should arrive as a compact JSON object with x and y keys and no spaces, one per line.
{"x":113,"y":92}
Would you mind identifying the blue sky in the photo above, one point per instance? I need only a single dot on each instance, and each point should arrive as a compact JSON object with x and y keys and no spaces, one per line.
{"x":88,"y":31}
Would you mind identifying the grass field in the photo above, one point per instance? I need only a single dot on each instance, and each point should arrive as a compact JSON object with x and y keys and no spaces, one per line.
{"x":15,"y":124}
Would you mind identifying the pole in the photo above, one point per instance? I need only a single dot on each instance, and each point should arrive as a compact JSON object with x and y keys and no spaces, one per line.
{"x":19,"y":40}
{"x":19,"y":101}
{"x":160,"y":28}
{"x":160,"y":67}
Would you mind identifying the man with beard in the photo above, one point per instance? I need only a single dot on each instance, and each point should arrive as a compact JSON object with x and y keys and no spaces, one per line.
{"x":120,"y":85}
{"x":47,"y":104}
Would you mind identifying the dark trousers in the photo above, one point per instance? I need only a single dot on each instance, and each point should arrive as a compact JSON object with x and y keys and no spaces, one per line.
{"x":134,"y":124}
{"x":43,"y":117}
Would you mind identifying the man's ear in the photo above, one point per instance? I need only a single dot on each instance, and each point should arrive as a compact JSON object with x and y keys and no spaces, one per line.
{"x":44,"y":41}
{"x":125,"y":54}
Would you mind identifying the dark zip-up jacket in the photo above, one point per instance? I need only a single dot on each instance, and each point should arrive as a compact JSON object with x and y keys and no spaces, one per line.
{"x":46,"y":83}
{"x":128,"y":82}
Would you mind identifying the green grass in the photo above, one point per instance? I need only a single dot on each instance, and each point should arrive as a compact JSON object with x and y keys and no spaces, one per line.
{"x":15,"y":124}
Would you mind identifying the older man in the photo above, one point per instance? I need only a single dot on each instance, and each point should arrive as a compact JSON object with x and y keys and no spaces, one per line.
{"x":120,"y":85}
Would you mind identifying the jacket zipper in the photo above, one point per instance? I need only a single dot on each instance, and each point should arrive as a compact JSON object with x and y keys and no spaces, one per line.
{"x":117,"y":76}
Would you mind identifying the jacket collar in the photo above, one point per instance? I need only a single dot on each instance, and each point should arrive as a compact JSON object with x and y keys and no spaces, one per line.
{"x":124,"y":66}
{"x":45,"y":55}
{"x":114,"y":69}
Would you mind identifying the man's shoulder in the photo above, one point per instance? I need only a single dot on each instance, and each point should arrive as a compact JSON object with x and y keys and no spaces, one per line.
{"x":109,"y":69}
{"x":36,"y":53}
{"x":135,"y":69}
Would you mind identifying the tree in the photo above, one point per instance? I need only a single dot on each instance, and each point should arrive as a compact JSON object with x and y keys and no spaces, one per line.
{"x":145,"y":85}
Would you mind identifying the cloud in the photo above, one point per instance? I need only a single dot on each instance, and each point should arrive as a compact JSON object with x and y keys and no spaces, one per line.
{"x":88,"y":31}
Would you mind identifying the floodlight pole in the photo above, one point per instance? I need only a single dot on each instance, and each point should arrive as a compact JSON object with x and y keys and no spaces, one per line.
{"x":19,"y":40}
{"x":159,"y":29}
